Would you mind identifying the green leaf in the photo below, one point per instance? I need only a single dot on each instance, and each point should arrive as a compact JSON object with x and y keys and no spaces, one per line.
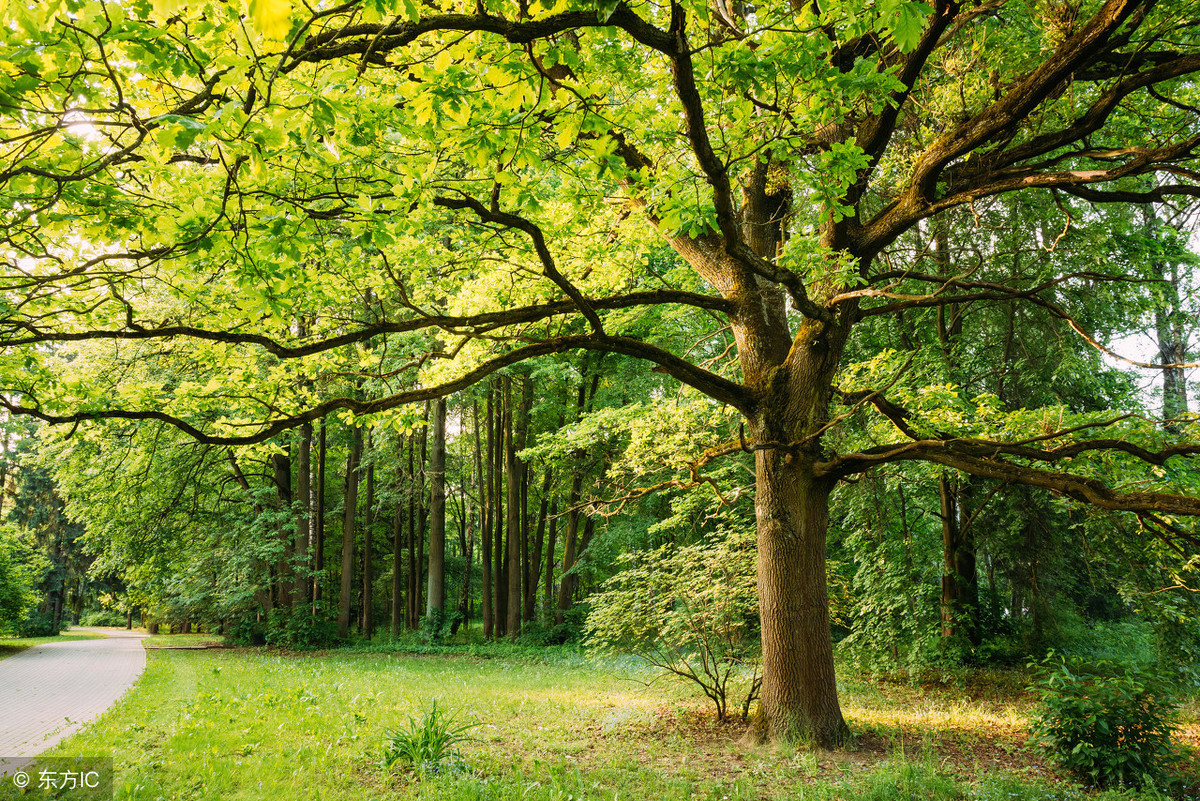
{"x":909,"y":25}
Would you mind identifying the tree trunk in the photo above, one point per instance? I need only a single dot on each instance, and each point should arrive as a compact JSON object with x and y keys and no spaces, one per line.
{"x":397,"y":567}
{"x":464,"y":594}
{"x":539,"y":541}
{"x":319,"y":521}
{"x":351,"y":506}
{"x":436,"y":604}
{"x":367,"y":621}
{"x":792,"y":375}
{"x":422,"y":519}
{"x":303,"y":566}
{"x":571,"y":551}
{"x":410,"y":596}
{"x":512,"y":548}
{"x":548,"y":571}
{"x":520,"y":441}
{"x":799,"y":690}
{"x":281,"y":469}
{"x":959,"y":601}
{"x":1170,"y":327}
{"x":960,"y":589}
{"x":499,"y":562}
{"x":487,"y":490}
{"x":4,"y":470}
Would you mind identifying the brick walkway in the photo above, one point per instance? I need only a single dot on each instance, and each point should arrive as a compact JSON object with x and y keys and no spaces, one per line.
{"x":49,"y":692}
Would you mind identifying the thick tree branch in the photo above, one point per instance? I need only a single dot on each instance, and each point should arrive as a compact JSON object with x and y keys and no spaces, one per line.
{"x":986,"y":174}
{"x":21,"y":332}
{"x":955,"y":454}
{"x":539,"y":245}
{"x":715,"y":386}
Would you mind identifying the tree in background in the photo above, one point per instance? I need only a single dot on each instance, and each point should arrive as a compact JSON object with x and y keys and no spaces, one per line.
{"x":38,"y":510}
{"x":19,"y":566}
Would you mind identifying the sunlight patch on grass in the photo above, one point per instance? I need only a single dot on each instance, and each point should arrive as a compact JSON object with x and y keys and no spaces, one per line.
{"x":895,"y":709}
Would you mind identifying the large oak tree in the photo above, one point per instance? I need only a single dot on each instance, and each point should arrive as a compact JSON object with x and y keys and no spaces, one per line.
{"x":494,"y":178}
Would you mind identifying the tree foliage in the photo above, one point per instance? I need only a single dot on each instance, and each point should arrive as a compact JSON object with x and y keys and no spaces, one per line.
{"x":19,"y":566}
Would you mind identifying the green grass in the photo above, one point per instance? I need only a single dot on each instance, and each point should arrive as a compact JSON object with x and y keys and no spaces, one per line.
{"x":181,"y":640}
{"x":252,"y":724}
{"x":10,"y":646}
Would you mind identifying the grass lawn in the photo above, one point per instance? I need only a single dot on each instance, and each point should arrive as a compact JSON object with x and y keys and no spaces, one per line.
{"x":182,"y":640}
{"x":15,"y":645}
{"x":255,"y":724}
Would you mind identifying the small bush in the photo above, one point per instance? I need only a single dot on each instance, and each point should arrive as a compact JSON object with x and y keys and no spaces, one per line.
{"x":19,"y":564}
{"x":244,"y":631}
{"x":103,"y":617}
{"x":295,"y":629}
{"x":543,"y":634}
{"x":690,"y":611}
{"x":437,"y":626}
{"x":428,"y":747}
{"x":1110,"y":726}
{"x":1127,"y":641}
{"x":40,"y":624}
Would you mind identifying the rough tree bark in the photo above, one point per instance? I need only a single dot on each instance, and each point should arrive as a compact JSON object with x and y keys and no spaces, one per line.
{"x":499,"y":560}
{"x":398,"y":545}
{"x":318,"y":586}
{"x":281,"y":474}
{"x":798,"y":697}
{"x":487,"y":488}
{"x":410,"y":595}
{"x":367,"y":616}
{"x":1170,"y":325}
{"x":436,"y":602}
{"x":512,"y":545}
{"x":303,"y":563}
{"x":539,"y":542}
{"x":348,"y":515}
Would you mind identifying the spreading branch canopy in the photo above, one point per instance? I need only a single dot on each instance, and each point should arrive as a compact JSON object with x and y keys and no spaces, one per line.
{"x":354,"y":206}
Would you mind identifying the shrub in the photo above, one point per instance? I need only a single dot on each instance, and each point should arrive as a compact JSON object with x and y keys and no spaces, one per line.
{"x":295,"y":629}
{"x":18,"y":565}
{"x":691,"y":611}
{"x":1130,"y":642}
{"x":1110,"y":726}
{"x":429,"y":746}
{"x":40,"y":624}
{"x":103,"y":617}
{"x":244,"y":631}
{"x":546,"y":634}
{"x":437,"y":625}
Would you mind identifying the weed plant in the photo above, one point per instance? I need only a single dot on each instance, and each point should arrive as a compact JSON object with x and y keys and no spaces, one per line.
{"x":428,"y":747}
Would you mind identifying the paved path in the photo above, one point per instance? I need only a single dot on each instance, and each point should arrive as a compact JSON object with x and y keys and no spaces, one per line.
{"x":49,"y":692}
